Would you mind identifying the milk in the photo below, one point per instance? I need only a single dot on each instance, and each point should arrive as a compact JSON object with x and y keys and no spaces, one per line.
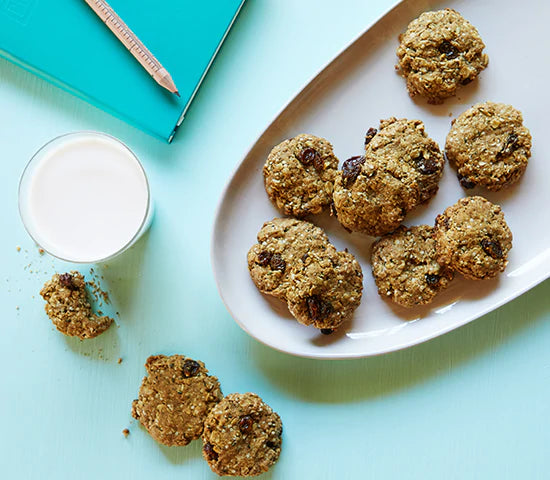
{"x":84,"y":197}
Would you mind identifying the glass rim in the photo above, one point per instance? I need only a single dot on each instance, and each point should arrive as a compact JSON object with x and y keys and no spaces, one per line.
{"x":25,"y":173}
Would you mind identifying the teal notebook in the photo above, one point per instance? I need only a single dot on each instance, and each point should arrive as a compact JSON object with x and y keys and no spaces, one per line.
{"x":65,"y":42}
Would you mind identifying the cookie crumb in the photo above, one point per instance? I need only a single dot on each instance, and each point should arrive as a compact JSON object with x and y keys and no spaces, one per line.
{"x":119,"y":361}
{"x":125,"y":432}
{"x":98,"y":293}
{"x":18,"y":248}
{"x":41,"y":251}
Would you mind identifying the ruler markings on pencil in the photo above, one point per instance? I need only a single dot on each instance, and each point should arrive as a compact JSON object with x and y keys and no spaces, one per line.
{"x":133,"y":44}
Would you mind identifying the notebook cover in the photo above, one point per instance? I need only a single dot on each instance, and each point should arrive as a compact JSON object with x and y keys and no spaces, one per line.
{"x":65,"y":42}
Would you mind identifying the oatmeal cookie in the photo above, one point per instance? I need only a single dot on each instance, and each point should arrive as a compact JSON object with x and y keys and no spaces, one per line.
{"x":242,"y":436}
{"x":299,"y":175}
{"x":489,"y":146}
{"x":401,"y":169}
{"x":69,"y":309}
{"x":440,"y":51}
{"x":370,"y":200}
{"x":326,"y":290}
{"x":405,"y":268}
{"x":405,"y":151}
{"x":174,"y":399}
{"x":294,"y":261}
{"x":282,"y":242}
{"x":473,"y":238}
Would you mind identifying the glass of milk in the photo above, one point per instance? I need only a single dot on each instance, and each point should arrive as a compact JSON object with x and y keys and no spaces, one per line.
{"x":84,"y":197}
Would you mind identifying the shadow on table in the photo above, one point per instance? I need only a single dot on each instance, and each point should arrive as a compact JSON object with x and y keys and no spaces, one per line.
{"x":352,"y":380}
{"x":121,"y":275}
{"x":105,"y":347}
{"x":193,"y":451}
{"x":181,"y":455}
{"x":118,"y":278}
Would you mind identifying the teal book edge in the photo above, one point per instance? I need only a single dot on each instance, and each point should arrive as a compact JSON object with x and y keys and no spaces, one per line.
{"x":65,"y":43}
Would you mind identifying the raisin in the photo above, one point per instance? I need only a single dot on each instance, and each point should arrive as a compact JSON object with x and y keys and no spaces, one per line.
{"x":371,"y":132}
{"x":308,"y":156}
{"x":245,"y":424}
{"x":432,"y":279}
{"x":190,"y":368}
{"x":430,"y":191}
{"x":264,"y":258}
{"x":271,"y":445}
{"x":277,"y":263}
{"x":509,"y":147}
{"x":318,"y":309}
{"x":351,"y":169}
{"x":318,"y":163}
{"x":314,"y":307}
{"x":304,"y":257}
{"x":492,"y":248}
{"x":466,"y":81}
{"x":443,"y":220}
{"x":327,"y":331}
{"x":448,"y":49}
{"x":465,"y":182}
{"x":209,"y":452}
{"x":66,"y":280}
{"x":426,"y":166}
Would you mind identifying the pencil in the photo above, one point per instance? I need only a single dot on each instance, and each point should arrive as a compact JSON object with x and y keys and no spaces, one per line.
{"x":129,"y":39}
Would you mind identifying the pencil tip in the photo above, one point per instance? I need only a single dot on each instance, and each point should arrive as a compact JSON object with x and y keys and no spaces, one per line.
{"x":177,"y":93}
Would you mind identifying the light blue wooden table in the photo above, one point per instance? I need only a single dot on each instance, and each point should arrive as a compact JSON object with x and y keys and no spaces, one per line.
{"x":472,"y":404}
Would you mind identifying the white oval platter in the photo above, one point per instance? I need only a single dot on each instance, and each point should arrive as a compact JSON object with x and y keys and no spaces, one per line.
{"x":351,"y":94}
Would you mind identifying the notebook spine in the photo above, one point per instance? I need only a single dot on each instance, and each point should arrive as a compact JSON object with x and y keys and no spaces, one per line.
{"x":182,"y":116}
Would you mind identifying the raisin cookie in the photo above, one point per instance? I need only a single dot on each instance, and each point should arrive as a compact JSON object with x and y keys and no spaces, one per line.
{"x":294,"y":261}
{"x":242,"y":436}
{"x":489,"y":146}
{"x":174,"y":399}
{"x":282,"y":243}
{"x":405,"y":268}
{"x":299,"y":175}
{"x":69,"y":309}
{"x":473,"y":238}
{"x":401,"y":169}
{"x":326,"y":290}
{"x":440,"y":51}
